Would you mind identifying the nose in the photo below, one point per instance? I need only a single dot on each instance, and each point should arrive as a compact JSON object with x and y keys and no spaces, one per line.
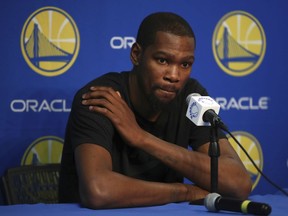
{"x":172,"y":74}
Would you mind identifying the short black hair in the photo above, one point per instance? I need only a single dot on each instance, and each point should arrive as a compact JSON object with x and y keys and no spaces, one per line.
{"x":162,"y":21}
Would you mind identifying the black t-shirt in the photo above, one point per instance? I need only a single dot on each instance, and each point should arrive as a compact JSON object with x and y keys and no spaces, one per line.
{"x":85,"y":126}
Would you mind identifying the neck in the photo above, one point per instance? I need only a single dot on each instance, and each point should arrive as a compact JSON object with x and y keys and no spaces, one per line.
{"x":140,"y":101}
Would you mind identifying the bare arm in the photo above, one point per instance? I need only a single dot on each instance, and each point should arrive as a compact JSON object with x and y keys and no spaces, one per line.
{"x":233,"y":179}
{"x":100,"y":187}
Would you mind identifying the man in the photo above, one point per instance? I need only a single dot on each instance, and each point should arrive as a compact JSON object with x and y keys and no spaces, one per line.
{"x":127,"y":137}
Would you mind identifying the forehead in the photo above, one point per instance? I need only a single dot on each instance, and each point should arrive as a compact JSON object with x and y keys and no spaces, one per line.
{"x":173,"y":43}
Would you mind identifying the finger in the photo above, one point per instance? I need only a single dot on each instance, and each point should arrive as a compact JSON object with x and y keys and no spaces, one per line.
{"x":118,"y":93}
{"x":106,"y":108}
{"x":99,"y":105}
{"x":104,"y":98}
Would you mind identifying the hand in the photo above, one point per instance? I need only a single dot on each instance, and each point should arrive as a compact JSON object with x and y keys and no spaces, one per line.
{"x":108,"y":102}
{"x":195,"y":194}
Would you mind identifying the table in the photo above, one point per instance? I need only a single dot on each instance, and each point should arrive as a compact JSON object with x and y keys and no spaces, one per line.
{"x":279,"y":204}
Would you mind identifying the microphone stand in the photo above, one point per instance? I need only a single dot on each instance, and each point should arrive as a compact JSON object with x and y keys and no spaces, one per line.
{"x":214,"y":153}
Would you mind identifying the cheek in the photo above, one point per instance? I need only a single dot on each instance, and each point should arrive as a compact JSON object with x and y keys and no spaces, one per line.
{"x":147,"y":81}
{"x":185,"y":76}
{"x":152,"y":73}
{"x":183,"y":79}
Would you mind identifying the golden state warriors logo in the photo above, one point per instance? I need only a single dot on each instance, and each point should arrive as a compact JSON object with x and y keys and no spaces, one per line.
{"x":253,"y":148}
{"x":50,"y":41}
{"x":45,"y":150}
{"x":239,"y":43}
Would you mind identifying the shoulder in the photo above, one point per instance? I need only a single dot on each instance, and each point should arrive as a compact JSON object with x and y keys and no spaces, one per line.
{"x":192,"y":86}
{"x":117,"y":80}
{"x":112,"y":79}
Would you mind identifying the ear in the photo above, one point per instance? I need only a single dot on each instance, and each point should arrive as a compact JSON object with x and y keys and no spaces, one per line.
{"x":135,"y":54}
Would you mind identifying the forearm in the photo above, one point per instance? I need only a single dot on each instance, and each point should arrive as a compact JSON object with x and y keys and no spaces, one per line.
{"x":233,"y":180}
{"x":113,"y":190}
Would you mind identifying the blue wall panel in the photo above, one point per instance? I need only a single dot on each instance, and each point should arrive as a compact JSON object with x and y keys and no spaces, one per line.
{"x":35,"y":103}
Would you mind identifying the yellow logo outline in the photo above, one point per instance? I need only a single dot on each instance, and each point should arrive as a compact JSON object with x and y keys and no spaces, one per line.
{"x":239,"y":43}
{"x":253,"y":148}
{"x":44,"y":150}
{"x":55,"y":30}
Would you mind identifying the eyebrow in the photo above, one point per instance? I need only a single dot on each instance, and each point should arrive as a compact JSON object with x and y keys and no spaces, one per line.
{"x":191,"y":57}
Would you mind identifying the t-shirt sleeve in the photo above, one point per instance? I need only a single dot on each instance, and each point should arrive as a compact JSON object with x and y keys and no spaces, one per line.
{"x":86,"y":126}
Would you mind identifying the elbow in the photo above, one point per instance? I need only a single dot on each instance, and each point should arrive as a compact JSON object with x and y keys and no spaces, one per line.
{"x":238,"y":186}
{"x":245,"y":190}
{"x":96,"y":198}
{"x":242,"y":187}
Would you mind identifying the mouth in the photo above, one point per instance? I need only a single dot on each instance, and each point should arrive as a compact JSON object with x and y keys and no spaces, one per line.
{"x":168,"y":88}
{"x":168,"y":92}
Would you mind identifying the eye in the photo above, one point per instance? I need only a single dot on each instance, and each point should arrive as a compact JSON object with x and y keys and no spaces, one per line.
{"x":186,"y":64}
{"x":162,"y":60}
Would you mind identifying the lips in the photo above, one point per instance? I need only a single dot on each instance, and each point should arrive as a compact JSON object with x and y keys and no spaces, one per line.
{"x":169,"y":89}
{"x":167,"y":92}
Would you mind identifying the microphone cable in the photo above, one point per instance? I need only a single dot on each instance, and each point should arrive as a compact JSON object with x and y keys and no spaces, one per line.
{"x":255,"y":165}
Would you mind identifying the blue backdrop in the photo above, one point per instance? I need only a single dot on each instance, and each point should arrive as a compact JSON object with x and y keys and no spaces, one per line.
{"x":49,"y":49}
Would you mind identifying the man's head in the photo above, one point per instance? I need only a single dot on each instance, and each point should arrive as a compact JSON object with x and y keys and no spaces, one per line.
{"x":162,"y":55}
{"x":165,"y":22}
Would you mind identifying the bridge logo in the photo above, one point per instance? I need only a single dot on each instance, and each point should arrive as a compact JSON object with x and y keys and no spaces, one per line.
{"x":239,"y":43}
{"x":253,"y":148}
{"x":44,"y":150}
{"x":50,"y":41}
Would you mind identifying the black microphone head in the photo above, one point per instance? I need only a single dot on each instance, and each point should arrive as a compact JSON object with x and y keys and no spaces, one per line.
{"x":210,"y":200}
{"x":258,"y":208}
{"x":188,"y":98}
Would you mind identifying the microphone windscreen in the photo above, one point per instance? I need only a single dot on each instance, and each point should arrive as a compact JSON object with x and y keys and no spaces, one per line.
{"x":210,"y":200}
{"x":188,"y":98}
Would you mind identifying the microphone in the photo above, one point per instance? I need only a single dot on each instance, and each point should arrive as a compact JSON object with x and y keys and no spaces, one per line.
{"x":203,"y":110}
{"x":214,"y":202}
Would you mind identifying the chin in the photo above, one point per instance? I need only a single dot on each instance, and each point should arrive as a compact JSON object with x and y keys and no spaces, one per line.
{"x":161,"y":103}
